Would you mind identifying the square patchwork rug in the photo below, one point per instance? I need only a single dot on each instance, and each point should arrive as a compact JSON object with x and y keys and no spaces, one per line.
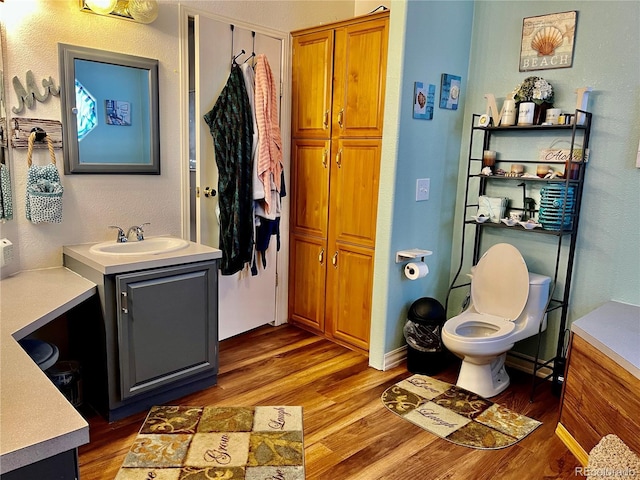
{"x":202,"y":443}
{"x":456,"y":414}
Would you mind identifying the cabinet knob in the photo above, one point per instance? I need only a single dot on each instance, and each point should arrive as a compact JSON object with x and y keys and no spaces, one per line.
{"x":341,"y":118}
{"x":325,"y":120}
{"x":325,"y":154}
{"x":334,"y":260}
{"x":339,"y":158}
{"x":321,"y":257}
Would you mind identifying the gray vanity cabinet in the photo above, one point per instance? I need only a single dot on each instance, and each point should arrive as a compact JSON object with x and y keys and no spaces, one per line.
{"x":166,"y":326}
{"x":152,"y":339}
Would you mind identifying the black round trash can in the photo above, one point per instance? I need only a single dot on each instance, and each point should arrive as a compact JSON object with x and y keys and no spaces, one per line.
{"x":426,"y":353}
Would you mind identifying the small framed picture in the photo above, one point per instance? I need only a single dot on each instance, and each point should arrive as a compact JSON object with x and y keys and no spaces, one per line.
{"x":118,"y":113}
{"x":450,"y":91}
{"x":423,"y":100}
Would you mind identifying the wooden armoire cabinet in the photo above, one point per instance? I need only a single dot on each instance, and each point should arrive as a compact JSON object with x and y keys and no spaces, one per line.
{"x":337,"y":114}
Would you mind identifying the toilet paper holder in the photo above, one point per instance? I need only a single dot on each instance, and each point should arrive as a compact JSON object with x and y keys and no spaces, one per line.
{"x":404,"y":255}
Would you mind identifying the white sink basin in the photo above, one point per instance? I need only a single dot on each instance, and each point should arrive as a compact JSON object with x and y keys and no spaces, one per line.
{"x":149,"y":246}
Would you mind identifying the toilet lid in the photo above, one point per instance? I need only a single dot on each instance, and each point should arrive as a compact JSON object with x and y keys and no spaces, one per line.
{"x":500,"y":284}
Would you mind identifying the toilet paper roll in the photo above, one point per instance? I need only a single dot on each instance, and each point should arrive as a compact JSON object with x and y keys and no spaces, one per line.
{"x":415,"y":270}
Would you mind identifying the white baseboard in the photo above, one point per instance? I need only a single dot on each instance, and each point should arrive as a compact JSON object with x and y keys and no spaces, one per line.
{"x":522,"y":362}
{"x":394,"y":358}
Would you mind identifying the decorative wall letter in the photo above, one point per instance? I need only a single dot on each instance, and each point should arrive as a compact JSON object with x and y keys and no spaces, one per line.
{"x":582,"y":103}
{"x":31,"y":93}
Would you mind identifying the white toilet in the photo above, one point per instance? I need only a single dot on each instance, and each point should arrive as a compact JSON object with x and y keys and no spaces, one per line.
{"x":507,"y":305}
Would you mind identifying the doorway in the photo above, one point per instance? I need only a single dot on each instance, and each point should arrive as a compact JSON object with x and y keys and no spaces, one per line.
{"x":210,"y":43}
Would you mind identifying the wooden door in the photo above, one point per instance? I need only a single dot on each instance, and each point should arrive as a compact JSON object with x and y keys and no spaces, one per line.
{"x":349,"y":291}
{"x":307,"y":274}
{"x":359,"y":70}
{"x":310,"y":187}
{"x":355,"y":172}
{"x":312,"y":71}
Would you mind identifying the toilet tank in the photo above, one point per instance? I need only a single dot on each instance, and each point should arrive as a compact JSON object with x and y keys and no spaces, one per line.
{"x":527,"y":322}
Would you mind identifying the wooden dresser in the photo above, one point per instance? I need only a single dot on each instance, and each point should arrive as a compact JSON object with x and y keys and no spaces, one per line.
{"x":601,"y":393}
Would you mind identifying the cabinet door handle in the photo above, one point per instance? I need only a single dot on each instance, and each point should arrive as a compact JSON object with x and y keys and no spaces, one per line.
{"x":339,"y":158}
{"x":325,"y":120}
{"x":123,"y":303}
{"x":325,"y":154}
{"x":334,"y":260}
{"x":321,"y":257}
{"x":341,"y":118}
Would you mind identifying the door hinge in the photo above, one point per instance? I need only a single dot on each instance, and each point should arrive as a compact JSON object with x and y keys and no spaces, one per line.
{"x":123,"y":303}
{"x":276,"y":279}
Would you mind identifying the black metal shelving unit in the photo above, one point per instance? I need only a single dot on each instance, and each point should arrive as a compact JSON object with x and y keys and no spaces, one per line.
{"x":574,"y":176}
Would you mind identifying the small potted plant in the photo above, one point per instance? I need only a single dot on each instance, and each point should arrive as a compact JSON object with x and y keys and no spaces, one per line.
{"x":534,"y":96}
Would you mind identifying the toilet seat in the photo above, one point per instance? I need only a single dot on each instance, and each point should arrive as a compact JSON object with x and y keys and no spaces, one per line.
{"x":478,"y":328}
{"x":499,"y":293}
{"x":500,"y":284}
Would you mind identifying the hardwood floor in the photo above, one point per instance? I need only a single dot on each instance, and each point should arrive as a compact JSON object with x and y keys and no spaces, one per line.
{"x":349,"y":434}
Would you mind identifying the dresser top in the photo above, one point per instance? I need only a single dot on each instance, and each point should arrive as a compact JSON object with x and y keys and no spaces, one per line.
{"x":614,"y":328}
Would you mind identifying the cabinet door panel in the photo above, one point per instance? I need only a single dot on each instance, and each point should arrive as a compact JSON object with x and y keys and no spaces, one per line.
{"x":355,"y":171}
{"x":359,"y":71}
{"x":311,"y":85}
{"x":307,"y":281}
{"x":350,"y":276}
{"x":166,"y":327}
{"x":310,"y":187}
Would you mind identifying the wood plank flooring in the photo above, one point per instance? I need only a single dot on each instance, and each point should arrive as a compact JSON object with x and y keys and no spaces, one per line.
{"x":349,"y":434}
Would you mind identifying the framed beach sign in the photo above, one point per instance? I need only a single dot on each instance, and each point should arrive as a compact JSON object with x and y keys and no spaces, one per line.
{"x":548,"y":41}
{"x":423,"y":100}
{"x":450,"y":91}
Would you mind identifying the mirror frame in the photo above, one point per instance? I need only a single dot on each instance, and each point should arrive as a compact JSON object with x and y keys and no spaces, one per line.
{"x":68,"y":54}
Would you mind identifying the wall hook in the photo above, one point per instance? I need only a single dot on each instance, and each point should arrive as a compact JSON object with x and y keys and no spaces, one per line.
{"x":40,"y":134}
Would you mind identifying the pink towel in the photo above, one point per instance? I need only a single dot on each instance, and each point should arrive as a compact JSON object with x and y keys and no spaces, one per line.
{"x":269,"y":138}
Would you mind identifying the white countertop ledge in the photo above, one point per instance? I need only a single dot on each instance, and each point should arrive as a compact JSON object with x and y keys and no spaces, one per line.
{"x":114,"y":264}
{"x":614,"y":328}
{"x":36,"y":420}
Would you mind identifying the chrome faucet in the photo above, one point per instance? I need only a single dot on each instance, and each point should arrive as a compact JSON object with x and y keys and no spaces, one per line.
{"x":139,"y":231}
{"x":122,"y":238}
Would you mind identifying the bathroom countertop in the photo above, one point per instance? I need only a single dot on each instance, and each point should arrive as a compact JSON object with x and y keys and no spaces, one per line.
{"x":36,"y":420}
{"x":614,"y":328}
{"x":113,"y":264}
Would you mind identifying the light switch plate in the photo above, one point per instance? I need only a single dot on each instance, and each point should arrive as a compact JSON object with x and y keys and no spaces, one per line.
{"x":422,"y":189}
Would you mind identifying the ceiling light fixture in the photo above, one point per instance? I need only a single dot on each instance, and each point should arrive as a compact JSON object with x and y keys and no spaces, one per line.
{"x":142,"y":11}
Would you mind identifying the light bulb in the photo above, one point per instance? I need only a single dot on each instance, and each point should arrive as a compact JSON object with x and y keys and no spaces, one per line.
{"x":143,"y":11}
{"x":102,"y":7}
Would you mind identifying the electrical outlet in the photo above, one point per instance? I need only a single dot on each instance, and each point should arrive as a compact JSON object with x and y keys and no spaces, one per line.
{"x":422,"y":189}
{"x":6,"y":255}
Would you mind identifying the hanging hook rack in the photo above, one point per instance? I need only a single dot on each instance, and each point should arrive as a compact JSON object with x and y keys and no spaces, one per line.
{"x":242,"y":52}
{"x":253,"y":47}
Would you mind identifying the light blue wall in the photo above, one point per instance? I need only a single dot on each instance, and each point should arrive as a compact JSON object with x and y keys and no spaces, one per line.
{"x":481,"y":43}
{"x":607,"y":261}
{"x":437,"y":41}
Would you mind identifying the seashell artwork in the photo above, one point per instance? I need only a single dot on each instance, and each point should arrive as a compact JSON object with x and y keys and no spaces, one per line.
{"x":546,"y":40}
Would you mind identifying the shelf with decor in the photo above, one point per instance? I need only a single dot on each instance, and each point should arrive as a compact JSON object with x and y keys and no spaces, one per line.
{"x":556,"y":215}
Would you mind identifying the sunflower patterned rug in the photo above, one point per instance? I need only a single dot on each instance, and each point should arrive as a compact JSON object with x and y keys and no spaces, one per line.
{"x":456,"y":414}
{"x":203,"y":443}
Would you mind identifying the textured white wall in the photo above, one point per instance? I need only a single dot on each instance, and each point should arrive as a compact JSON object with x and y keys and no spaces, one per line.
{"x":92,"y":202}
